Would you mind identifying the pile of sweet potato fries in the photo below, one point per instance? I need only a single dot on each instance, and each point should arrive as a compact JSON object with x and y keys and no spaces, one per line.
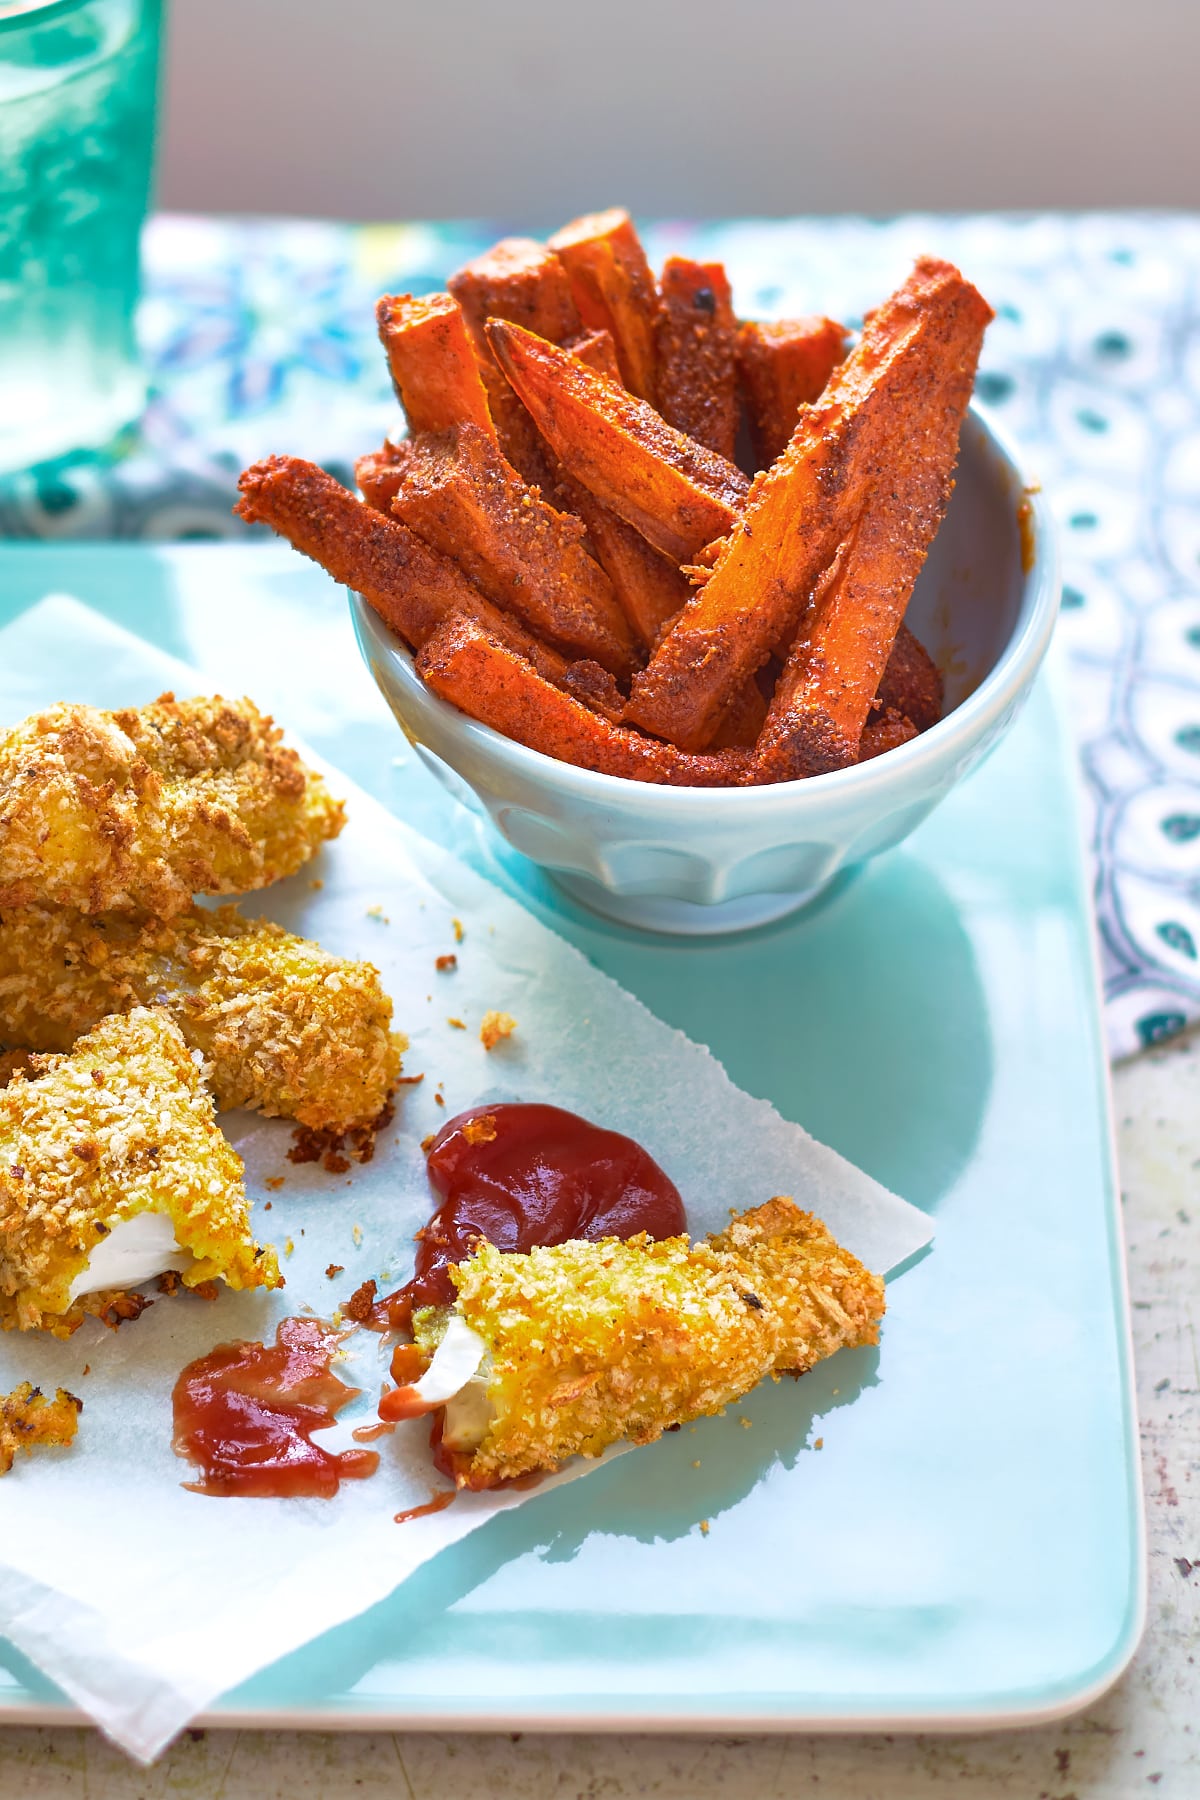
{"x":569,"y":543}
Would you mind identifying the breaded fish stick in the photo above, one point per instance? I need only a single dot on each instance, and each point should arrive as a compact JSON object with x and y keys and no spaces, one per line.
{"x":802,"y":510}
{"x":679,"y":495}
{"x":614,"y":290}
{"x":284,"y":1027}
{"x":461,"y":496}
{"x":582,"y":1344}
{"x":117,"y":1138}
{"x":146,"y":807}
{"x":463,"y":664}
{"x":410,"y":585}
{"x":697,"y":380}
{"x":432,"y":362}
{"x":783,"y":366}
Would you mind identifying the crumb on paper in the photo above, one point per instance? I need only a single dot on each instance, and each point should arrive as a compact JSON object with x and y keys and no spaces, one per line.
{"x":458,"y":1024}
{"x":459,"y":933}
{"x":446,"y":962}
{"x":168,"y":1282}
{"x":704,"y":1528}
{"x":288,"y":1247}
{"x":818,"y":1443}
{"x":122,"y":1308}
{"x":428,"y":1142}
{"x":334,"y":1270}
{"x":357,"y":1234}
{"x":29,"y":1418}
{"x":361,"y":1303}
{"x":207,"y":1290}
{"x":273,"y":1183}
{"x":746,"y":1424}
{"x":837,"y":1390}
{"x":410,"y":1080}
{"x":439,"y":1099}
{"x":267,"y":1205}
{"x":482,"y":1130}
{"x":87,"y":1368}
{"x":377,"y":912}
{"x":495,"y":1027}
{"x":316,"y":884}
{"x":336,"y":1150}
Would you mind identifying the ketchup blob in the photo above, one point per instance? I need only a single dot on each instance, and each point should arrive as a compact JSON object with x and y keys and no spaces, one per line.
{"x":521,"y":1176}
{"x":245,"y":1414}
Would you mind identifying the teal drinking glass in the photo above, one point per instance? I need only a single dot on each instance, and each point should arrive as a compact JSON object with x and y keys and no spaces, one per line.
{"x":78,"y":87}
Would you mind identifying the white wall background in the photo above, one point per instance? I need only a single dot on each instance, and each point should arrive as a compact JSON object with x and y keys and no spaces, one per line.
{"x":532,"y":111}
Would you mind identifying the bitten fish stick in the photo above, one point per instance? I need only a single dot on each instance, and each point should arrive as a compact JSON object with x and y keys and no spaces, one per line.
{"x":149,"y":806}
{"x":842,"y":648}
{"x":697,"y":381}
{"x":109,"y":1153}
{"x":433,"y":364}
{"x":461,"y":496}
{"x":408,"y":583}
{"x":473,"y":671}
{"x":284,"y":1027}
{"x":582,"y":1344}
{"x":614,"y":290}
{"x":678,"y":494}
{"x":804,"y":506}
{"x":783,"y":366}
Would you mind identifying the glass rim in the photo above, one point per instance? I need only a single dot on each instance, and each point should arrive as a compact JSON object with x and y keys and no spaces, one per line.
{"x":37,"y":13}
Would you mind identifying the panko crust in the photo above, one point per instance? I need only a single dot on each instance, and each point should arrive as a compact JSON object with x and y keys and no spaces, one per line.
{"x":148,"y":806}
{"x":284,"y":1027}
{"x":29,"y":1418}
{"x":120,"y":1126}
{"x":592,"y":1342}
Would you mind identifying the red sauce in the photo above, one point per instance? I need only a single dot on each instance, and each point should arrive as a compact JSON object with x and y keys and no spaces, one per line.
{"x":520,"y":1176}
{"x":437,"y":1504}
{"x":245,"y":1414}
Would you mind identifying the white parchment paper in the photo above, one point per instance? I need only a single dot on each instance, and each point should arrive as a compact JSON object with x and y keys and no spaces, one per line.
{"x":144,"y":1601}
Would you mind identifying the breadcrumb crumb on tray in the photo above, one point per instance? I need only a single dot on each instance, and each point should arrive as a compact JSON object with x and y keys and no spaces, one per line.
{"x":495,"y":1027}
{"x":29,"y":1418}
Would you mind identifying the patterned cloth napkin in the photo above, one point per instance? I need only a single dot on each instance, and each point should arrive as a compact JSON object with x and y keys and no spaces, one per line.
{"x":259,"y":336}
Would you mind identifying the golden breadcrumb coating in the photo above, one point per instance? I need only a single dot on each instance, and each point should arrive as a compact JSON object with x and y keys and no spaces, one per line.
{"x":592,"y":1342}
{"x":285,"y":1027}
{"x":144,"y":808}
{"x":120,"y":1126}
{"x":28,"y":1418}
{"x":12,"y":1062}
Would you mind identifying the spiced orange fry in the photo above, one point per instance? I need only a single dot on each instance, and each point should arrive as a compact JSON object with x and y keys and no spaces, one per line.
{"x":675,"y":492}
{"x":597,"y":350}
{"x":614,"y":290}
{"x":912,"y":682}
{"x":923,"y":341}
{"x":837,"y":663}
{"x":781,"y":367}
{"x":697,"y":382}
{"x":408,"y":583}
{"x":380,"y":473}
{"x":517,"y":279}
{"x":466,"y":665}
{"x":650,"y":588}
{"x":744,"y":720}
{"x":432,"y":361}
{"x":886,"y":732}
{"x":462,"y":497}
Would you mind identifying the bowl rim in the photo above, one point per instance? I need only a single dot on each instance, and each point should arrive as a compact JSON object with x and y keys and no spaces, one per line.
{"x":1002,"y":684}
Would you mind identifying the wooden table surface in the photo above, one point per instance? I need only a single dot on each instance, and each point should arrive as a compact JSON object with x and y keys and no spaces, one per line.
{"x":1142,"y":1738}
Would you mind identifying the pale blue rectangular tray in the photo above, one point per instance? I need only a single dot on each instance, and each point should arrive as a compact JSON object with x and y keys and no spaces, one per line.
{"x":946,"y":1533}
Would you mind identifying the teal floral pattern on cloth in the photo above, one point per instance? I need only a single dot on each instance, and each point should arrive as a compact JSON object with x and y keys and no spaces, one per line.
{"x":259,"y":336}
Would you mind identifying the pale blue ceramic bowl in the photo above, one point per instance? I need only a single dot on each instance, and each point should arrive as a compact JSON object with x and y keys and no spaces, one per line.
{"x":697,"y":860}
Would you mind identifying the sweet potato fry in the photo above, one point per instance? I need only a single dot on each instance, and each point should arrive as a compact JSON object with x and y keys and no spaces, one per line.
{"x":614,"y":290}
{"x":912,"y":682}
{"x":460,"y":495}
{"x":434,"y":368}
{"x":837,"y":663}
{"x":466,"y":665}
{"x":650,"y":588}
{"x":380,"y":473}
{"x":742,"y":723}
{"x":597,"y":350}
{"x":677,"y":494}
{"x":917,"y":354}
{"x":410,"y":585}
{"x":520,"y":280}
{"x":886,"y":732}
{"x":782,"y":367}
{"x":697,"y":380}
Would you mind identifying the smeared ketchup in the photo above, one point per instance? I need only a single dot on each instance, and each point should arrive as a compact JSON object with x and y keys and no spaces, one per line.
{"x":520,"y":1176}
{"x":245,"y":1414}
{"x":436,"y":1504}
